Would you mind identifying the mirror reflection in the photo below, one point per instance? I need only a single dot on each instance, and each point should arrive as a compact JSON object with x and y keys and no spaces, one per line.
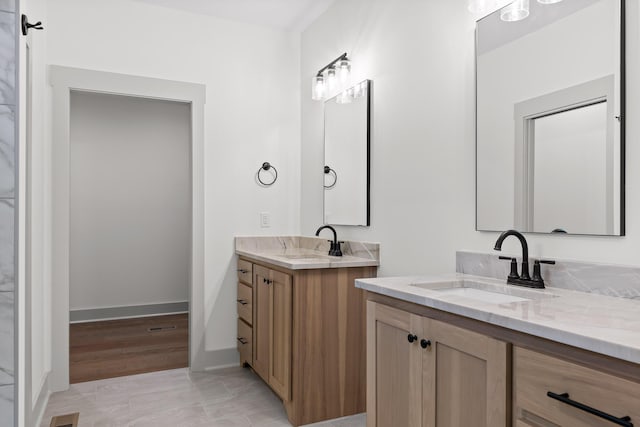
{"x":550,"y":131}
{"x":346,"y":155}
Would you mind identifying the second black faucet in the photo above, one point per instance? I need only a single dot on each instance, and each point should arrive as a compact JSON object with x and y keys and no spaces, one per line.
{"x":522,"y":279}
{"x":334,"y":249}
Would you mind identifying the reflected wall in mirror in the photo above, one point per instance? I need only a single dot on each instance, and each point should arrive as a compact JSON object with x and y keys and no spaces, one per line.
{"x":347,"y":123}
{"x":550,"y":119}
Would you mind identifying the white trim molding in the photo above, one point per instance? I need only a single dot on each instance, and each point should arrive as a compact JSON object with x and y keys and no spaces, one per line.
{"x":64,"y":80}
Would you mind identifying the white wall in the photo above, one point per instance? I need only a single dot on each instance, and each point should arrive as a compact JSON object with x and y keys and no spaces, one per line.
{"x":130,"y":201}
{"x":251,"y":116}
{"x":420,"y":55}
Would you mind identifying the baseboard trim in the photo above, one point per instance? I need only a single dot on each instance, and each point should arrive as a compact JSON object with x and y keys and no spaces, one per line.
{"x":126,"y":312}
{"x":217,"y":359}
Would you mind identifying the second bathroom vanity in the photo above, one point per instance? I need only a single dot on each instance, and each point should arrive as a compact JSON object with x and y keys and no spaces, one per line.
{"x":461,"y":350}
{"x":301,"y":322}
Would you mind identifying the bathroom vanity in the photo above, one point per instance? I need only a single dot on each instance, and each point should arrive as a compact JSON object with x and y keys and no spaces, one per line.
{"x":301,"y":322}
{"x":463,"y":350}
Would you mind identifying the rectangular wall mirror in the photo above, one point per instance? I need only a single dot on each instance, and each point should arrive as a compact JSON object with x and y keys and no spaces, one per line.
{"x":550,"y":119}
{"x":347,"y":132}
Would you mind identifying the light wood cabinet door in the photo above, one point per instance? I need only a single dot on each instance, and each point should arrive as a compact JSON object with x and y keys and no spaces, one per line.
{"x":261,"y":322}
{"x":423,"y":372}
{"x":394,"y":367}
{"x":280,"y":297}
{"x":465,"y":378}
{"x":272,"y":317}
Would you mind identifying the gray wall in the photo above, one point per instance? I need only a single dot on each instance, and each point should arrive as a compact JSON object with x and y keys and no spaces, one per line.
{"x":130,"y":201}
{"x":7,"y":202}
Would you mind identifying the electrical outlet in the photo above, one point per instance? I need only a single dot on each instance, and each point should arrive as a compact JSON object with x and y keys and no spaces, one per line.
{"x":265,"y":219}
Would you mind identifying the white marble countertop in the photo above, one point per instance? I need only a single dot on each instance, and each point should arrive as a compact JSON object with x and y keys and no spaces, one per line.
{"x":305,"y":253}
{"x":602,"y":324}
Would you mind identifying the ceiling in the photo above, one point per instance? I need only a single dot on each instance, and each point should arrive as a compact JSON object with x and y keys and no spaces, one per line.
{"x":294,"y":15}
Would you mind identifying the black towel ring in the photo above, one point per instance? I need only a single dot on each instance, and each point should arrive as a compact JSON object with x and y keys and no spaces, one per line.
{"x":266,"y":166}
{"x":328,"y":170}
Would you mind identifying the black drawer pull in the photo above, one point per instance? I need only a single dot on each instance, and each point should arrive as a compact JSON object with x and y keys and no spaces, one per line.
{"x":242,"y":271}
{"x":243,"y":341}
{"x":564,"y":398}
{"x":243,"y":302}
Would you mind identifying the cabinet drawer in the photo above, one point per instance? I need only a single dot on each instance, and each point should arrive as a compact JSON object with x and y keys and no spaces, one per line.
{"x":245,"y":272}
{"x":245,"y":303}
{"x":245,"y":342}
{"x":535,"y":375}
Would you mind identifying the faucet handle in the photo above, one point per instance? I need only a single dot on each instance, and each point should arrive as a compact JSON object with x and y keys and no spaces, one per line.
{"x":513,"y":274}
{"x":537,"y":275}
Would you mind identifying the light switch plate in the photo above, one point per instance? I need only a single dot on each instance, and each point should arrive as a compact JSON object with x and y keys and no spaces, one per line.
{"x":265,"y":219}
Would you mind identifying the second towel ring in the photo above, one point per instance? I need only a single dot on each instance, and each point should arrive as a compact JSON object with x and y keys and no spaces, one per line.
{"x":327,"y":171}
{"x":266,"y":166}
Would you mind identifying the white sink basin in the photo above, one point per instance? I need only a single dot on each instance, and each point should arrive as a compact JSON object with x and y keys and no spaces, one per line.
{"x":485,"y":292}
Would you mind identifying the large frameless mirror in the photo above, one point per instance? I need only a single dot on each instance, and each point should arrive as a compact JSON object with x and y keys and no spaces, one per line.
{"x":550,"y":119}
{"x":347,"y":122}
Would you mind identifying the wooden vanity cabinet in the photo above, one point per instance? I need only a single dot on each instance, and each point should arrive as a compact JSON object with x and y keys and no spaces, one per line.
{"x":272,"y":330}
{"x":535,"y":375}
{"x":427,"y":373}
{"x":471,"y":373}
{"x":308,"y":336}
{"x":245,"y":312}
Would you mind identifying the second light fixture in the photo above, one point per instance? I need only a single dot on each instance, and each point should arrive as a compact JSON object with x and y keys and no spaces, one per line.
{"x":328,"y":78}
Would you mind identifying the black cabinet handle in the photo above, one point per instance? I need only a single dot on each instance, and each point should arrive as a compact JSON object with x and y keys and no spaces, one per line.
{"x":243,"y":302}
{"x":243,"y":271}
{"x":425,"y":343}
{"x":564,"y":398}
{"x":242,"y":340}
{"x":411,"y":338}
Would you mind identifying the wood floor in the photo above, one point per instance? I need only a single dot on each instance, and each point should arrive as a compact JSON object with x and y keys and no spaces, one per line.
{"x":116,"y":348}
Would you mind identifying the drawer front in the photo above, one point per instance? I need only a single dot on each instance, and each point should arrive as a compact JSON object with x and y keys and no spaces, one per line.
{"x":245,"y":272}
{"x":245,"y":303}
{"x":245,"y":342}
{"x":535,"y":375}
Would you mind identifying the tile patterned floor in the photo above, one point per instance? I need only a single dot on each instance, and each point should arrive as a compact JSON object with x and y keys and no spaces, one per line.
{"x":228,"y":397}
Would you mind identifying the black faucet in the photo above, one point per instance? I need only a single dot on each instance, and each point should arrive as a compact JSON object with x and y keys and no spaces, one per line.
{"x":525,"y":250}
{"x":334,"y":250}
{"x":522,"y":279}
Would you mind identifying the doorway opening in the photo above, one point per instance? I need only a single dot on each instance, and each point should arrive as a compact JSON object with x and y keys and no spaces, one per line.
{"x":130,"y":214}
{"x":114,"y":241}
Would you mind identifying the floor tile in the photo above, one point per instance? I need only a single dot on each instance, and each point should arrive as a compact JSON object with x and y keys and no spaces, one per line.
{"x":233,"y":397}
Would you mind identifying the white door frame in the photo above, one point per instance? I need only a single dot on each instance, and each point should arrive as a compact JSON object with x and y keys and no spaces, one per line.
{"x":64,"y":80}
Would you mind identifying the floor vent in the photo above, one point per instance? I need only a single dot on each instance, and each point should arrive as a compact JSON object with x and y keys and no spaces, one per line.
{"x":68,"y":420}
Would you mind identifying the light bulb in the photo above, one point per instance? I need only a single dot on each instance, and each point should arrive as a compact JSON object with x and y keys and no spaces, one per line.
{"x":516,"y":11}
{"x":317,"y":89}
{"x":549,"y":1}
{"x":344,"y":69}
{"x":482,"y":7}
{"x":331,"y":79}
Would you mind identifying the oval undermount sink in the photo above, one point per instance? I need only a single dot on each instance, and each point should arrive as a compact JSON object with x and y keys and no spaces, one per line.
{"x":485,"y":292}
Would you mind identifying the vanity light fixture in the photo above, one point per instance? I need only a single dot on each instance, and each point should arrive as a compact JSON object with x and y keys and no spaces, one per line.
{"x":516,"y":11}
{"x":318,"y":89}
{"x":337,"y":70}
